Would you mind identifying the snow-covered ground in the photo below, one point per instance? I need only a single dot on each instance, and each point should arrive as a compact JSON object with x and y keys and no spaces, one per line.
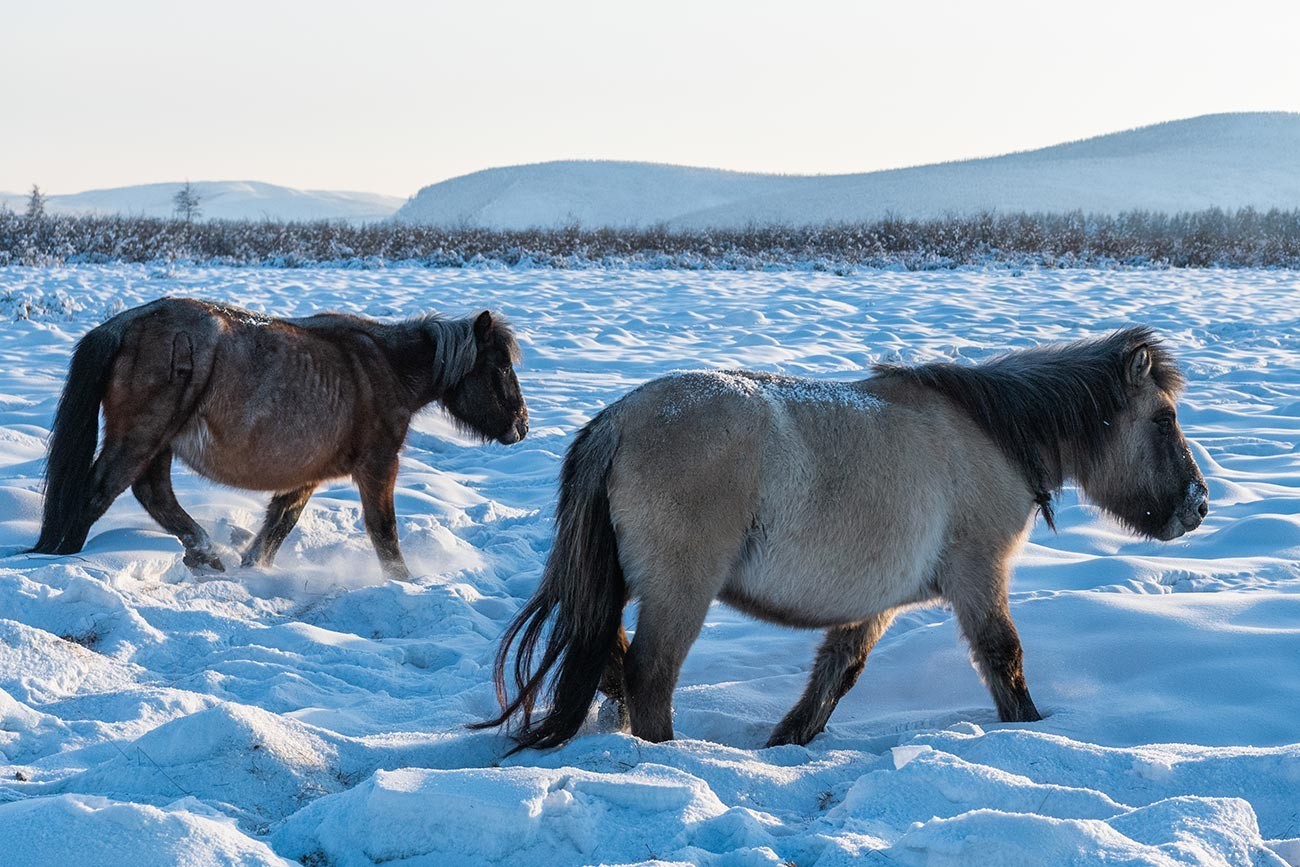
{"x":315,"y":712}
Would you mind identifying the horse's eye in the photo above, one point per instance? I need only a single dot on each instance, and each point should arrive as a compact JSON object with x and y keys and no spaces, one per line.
{"x":1165,"y":425}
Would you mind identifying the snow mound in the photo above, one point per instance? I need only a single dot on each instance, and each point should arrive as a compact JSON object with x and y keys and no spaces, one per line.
{"x":249,"y":763}
{"x":1182,"y":831}
{"x":80,"y":829}
{"x":37,"y":666}
{"x":486,"y":816}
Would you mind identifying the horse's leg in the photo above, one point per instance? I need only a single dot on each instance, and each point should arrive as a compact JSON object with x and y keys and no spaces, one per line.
{"x":980,"y":602}
{"x":281,"y":516}
{"x":130,"y":446}
{"x":839,"y":662}
{"x":147,"y":402}
{"x":119,"y":464}
{"x":376,"y":484}
{"x":613,"y":683}
{"x":154,"y":491}
{"x":665,"y":631}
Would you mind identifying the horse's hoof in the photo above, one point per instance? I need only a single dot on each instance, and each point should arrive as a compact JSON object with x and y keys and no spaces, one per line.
{"x":200,"y":561}
{"x":612,"y":716}
{"x":789,"y":736}
{"x":397,"y":572}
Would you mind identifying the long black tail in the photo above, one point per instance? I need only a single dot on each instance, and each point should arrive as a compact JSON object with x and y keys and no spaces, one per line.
{"x":582,"y":595}
{"x":72,"y":442}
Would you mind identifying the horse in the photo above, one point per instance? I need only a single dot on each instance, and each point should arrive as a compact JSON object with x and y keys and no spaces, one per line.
{"x":263,"y":404}
{"x":832,"y":505}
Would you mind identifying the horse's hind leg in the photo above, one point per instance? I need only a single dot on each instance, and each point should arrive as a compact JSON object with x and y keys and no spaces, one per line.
{"x":129,"y":449}
{"x":148,"y":399}
{"x":613,"y":683}
{"x":985,"y":618}
{"x":839,"y":662}
{"x":154,"y":491}
{"x":376,"y":484}
{"x":281,"y":516}
{"x":665,"y":631}
{"x":119,"y":464}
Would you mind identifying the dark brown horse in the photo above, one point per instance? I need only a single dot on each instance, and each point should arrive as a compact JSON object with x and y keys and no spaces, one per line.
{"x":264,"y":404}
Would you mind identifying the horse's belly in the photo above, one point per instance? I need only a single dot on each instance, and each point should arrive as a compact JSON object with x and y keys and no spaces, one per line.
{"x":828,"y":587}
{"x":245,"y":465}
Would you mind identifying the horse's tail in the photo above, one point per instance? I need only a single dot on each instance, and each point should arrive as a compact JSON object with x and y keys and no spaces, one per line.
{"x":73,"y":439}
{"x":582,"y":594}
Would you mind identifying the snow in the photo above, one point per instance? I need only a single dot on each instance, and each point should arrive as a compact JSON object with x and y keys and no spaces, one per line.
{"x":226,"y":200}
{"x":1226,"y":160}
{"x":315,"y":712}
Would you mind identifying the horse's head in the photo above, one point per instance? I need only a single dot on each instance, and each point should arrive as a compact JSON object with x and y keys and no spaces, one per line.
{"x":488,"y":400}
{"x":1145,"y":474}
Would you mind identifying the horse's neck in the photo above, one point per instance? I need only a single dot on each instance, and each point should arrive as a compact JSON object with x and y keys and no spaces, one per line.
{"x":401,"y":348}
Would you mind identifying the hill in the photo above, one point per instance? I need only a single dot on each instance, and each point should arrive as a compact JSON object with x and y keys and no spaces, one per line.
{"x":1224,"y":160}
{"x":227,"y":200}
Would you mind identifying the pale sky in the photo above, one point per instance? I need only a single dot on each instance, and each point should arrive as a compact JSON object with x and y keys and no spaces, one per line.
{"x":391,"y":96}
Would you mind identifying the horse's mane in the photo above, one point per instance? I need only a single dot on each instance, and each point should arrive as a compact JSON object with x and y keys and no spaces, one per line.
{"x":1033,"y":402}
{"x":455,"y":349}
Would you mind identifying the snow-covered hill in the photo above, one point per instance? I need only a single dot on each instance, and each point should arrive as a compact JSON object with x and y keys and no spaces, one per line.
{"x":227,"y":200}
{"x":1224,"y":160}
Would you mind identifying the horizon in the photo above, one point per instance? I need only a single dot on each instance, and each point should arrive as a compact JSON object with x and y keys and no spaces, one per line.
{"x":960,"y":159}
{"x":419,"y":94}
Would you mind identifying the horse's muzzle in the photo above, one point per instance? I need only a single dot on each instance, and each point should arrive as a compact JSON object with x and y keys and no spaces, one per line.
{"x":1189,"y":515}
{"x":517,"y":432}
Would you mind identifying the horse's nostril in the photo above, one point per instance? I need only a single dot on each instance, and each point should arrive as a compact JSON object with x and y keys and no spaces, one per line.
{"x":1202,"y":508}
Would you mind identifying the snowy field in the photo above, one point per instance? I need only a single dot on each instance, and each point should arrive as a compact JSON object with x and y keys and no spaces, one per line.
{"x":314,"y":712}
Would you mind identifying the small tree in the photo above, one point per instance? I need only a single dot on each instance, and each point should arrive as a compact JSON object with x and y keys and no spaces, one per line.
{"x":35,"y":204}
{"x":187,"y":203}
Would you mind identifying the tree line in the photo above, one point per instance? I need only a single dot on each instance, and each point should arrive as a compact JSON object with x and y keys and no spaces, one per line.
{"x":1210,"y":238}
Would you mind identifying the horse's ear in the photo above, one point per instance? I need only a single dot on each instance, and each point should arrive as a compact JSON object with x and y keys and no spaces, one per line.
{"x":1138,"y":368}
{"x":482,"y":325}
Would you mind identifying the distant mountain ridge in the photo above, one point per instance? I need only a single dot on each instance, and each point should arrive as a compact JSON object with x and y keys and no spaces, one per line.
{"x":1222,"y":160}
{"x":227,"y":200}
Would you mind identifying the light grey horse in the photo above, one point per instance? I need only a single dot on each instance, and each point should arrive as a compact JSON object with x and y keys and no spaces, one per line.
{"x":832,"y":506}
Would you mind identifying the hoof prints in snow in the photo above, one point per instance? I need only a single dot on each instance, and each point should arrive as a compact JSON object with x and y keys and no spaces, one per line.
{"x":314,"y":711}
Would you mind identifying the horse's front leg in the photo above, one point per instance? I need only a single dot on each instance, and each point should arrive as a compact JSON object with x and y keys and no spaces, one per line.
{"x":839,"y":662}
{"x":978,"y":595}
{"x":376,"y":482}
{"x":281,"y":516}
